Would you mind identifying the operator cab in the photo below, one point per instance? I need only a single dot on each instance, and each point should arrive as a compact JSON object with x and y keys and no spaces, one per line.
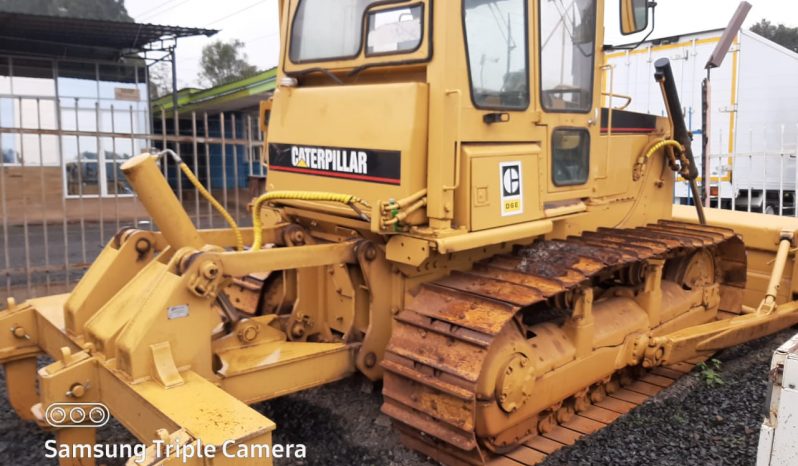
{"x":385,"y":99}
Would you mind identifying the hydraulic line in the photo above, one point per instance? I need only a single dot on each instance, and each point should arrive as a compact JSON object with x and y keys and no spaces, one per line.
{"x":348,"y":199}
{"x":208,"y":196}
{"x":662,"y":144}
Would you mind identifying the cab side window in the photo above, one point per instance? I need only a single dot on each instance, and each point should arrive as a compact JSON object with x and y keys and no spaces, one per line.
{"x":567,"y":49}
{"x":570,"y":149}
{"x":498,"y":65}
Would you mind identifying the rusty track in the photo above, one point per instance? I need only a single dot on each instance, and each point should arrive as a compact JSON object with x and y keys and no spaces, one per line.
{"x":444,"y":335}
{"x":593,"y":419}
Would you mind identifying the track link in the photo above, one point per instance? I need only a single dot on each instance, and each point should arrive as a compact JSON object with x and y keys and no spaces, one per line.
{"x":442,"y":338}
{"x":597,"y":416}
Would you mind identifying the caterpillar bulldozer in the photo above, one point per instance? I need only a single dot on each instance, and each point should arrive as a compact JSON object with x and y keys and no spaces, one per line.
{"x":450,"y":209}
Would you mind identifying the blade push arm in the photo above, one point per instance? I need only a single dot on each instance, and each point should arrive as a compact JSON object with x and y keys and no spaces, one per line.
{"x":706,"y":339}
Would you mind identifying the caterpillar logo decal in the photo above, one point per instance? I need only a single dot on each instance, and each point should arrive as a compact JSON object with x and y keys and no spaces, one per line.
{"x":376,"y":166}
{"x":512,"y":202}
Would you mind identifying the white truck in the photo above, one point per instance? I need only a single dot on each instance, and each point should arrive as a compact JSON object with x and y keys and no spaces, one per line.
{"x":753,"y":112}
{"x":778,"y":437}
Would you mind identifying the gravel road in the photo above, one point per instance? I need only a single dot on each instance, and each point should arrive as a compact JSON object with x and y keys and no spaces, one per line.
{"x":691,"y":423}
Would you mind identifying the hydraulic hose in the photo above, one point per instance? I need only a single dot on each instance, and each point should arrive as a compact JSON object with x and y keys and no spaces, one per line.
{"x":208,"y":197}
{"x":347,"y":199}
{"x":662,"y":144}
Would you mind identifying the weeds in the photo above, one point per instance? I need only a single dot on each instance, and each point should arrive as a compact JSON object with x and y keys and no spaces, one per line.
{"x":710,"y":372}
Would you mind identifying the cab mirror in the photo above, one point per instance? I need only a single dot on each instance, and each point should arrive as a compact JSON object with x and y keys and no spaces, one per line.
{"x":634,"y":16}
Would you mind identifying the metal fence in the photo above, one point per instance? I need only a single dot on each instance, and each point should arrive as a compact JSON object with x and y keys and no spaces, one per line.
{"x":63,"y":195}
{"x":763,"y":178}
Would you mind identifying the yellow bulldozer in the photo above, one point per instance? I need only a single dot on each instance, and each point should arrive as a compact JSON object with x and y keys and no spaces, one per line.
{"x":449,"y":209}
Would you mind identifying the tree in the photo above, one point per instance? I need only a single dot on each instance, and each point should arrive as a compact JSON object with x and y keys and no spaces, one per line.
{"x":160,"y":79}
{"x":113,"y":10}
{"x":224,"y":62}
{"x":781,"y":34}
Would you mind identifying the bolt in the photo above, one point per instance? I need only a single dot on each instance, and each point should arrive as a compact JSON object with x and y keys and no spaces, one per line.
{"x":370,"y":253}
{"x":143,"y":246}
{"x":19,"y":332}
{"x":298,"y":236}
{"x":210,"y":271}
{"x":248,"y":333}
{"x":76,"y":391}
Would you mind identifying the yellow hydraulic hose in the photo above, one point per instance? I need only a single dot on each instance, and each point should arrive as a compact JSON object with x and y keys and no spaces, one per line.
{"x":347,"y":199}
{"x":216,"y":204}
{"x":662,"y":144}
{"x":209,"y":197}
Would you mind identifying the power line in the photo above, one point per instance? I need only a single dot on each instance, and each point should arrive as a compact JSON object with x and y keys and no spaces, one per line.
{"x":259,"y":2}
{"x":168,"y":9}
{"x":157,"y":7}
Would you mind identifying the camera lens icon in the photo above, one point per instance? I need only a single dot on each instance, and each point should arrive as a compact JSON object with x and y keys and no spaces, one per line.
{"x":77,"y":415}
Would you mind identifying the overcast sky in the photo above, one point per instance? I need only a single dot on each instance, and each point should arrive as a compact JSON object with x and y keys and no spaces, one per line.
{"x":255,"y":23}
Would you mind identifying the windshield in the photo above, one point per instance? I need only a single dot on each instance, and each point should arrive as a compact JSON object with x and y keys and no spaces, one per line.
{"x":325,"y":29}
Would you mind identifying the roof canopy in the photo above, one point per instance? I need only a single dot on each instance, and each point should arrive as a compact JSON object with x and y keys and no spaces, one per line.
{"x":239,"y":96}
{"x":65,"y":37}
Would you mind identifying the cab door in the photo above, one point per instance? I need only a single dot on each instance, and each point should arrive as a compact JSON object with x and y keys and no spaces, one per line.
{"x":567,"y":50}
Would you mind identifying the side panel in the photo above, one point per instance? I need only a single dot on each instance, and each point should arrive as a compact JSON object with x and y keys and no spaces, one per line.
{"x":500,"y":186}
{"x":369,"y":141}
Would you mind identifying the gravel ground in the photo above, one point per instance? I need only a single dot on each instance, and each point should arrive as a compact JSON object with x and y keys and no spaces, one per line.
{"x":689,"y":423}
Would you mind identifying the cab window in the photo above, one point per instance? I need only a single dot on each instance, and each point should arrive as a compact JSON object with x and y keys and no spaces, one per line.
{"x":325,"y":29}
{"x":570,"y":155}
{"x":394,"y":31}
{"x":498,"y":65}
{"x":567,"y":49}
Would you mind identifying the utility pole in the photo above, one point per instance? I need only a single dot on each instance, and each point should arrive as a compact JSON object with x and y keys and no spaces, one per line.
{"x":715,"y":60}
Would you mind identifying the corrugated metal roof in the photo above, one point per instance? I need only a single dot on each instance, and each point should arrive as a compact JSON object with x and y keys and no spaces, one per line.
{"x":242,"y":95}
{"x":66,"y":37}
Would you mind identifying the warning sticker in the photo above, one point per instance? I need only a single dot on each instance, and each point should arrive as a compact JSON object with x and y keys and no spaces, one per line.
{"x":512,"y":189}
{"x":177,"y":312}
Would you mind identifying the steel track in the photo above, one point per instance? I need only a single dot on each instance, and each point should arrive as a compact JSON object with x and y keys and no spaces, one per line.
{"x":441,"y":339}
